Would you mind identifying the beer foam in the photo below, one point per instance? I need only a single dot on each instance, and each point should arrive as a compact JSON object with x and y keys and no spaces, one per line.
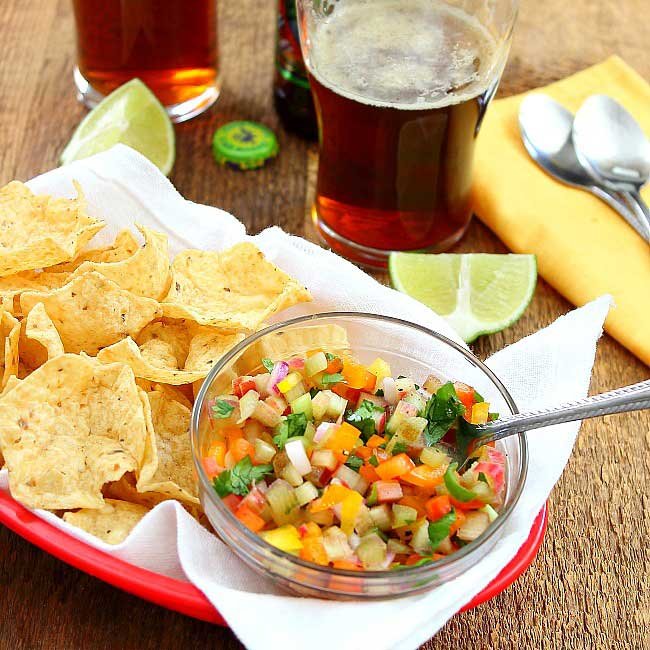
{"x":407,"y":54}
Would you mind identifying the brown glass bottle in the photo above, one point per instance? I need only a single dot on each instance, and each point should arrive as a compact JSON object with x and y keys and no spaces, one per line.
{"x":291,"y":91}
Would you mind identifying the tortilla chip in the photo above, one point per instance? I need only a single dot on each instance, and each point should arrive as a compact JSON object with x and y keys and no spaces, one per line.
{"x":168,"y":467}
{"x":12,"y":382}
{"x":125,"y":490}
{"x":10,"y":334}
{"x":68,"y":428}
{"x":173,"y":393}
{"x":91,"y":312}
{"x":146,"y":273}
{"x":154,"y":361}
{"x":13,"y":286}
{"x":235,"y":289}
{"x":39,"y":339}
{"x":112,"y":523}
{"x":208,"y":345}
{"x":39,"y":231}
{"x":176,"y":334}
{"x":124,"y":246}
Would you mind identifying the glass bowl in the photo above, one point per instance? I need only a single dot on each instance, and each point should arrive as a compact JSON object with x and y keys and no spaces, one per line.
{"x":411,"y":350}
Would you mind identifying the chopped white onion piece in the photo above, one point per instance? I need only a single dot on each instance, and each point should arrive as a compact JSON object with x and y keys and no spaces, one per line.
{"x":390,"y":391}
{"x":298,"y":457}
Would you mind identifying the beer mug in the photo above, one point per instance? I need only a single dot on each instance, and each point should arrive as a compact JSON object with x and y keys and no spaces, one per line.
{"x":171,"y":45}
{"x":400,"y":89}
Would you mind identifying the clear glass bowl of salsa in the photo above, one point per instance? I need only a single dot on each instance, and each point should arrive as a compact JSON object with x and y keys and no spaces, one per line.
{"x":412,"y":351}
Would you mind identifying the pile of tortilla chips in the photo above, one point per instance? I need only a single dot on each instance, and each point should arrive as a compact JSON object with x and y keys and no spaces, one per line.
{"x":101,"y":353}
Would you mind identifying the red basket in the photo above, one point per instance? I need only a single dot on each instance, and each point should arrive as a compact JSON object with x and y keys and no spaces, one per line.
{"x":181,"y":596}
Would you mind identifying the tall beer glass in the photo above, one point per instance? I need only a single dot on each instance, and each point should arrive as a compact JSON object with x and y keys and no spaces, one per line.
{"x":400,"y":88}
{"x":171,"y":45}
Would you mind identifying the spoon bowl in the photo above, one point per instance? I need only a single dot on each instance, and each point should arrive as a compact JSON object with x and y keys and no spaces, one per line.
{"x":611,"y":144}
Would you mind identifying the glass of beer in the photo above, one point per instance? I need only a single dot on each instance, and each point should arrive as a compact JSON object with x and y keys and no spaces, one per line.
{"x":400,"y":89}
{"x":171,"y":45}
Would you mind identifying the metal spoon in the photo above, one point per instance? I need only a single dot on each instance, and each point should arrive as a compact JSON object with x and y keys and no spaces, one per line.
{"x":545,"y":127}
{"x":612,"y":147}
{"x":629,"y":398}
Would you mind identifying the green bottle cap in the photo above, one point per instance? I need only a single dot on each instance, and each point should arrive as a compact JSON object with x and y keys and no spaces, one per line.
{"x":244,"y":145}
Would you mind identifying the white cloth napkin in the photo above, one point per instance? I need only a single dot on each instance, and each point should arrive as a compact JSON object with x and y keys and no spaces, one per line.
{"x":551,"y":366}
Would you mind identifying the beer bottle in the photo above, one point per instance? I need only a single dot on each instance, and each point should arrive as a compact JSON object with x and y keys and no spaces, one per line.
{"x":291,"y":92}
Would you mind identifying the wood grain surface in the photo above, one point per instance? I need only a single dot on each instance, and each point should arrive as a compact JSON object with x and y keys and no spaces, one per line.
{"x":588,"y":588}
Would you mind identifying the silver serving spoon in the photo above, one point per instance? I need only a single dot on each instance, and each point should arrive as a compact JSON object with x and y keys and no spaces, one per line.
{"x":612,"y":147}
{"x":629,"y":398}
{"x":545,"y":127}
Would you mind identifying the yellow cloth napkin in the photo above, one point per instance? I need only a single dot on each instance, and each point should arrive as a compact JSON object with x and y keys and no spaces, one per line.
{"x":584,"y":249}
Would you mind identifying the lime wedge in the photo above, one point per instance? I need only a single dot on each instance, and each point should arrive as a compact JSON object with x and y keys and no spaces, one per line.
{"x":132,"y":115}
{"x":476,"y":293}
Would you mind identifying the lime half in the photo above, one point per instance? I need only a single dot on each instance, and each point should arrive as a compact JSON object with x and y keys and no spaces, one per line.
{"x":132,"y":115}
{"x":476,"y":293}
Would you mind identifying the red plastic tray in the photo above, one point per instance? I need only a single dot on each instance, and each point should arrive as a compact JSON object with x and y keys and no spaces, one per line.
{"x":181,"y":596}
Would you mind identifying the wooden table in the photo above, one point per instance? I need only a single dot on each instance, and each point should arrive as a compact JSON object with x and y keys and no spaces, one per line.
{"x":589,"y":585}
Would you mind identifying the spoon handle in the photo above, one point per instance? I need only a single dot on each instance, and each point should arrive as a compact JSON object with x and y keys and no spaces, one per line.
{"x":628,"y":398}
{"x":616,"y":201}
{"x":640,"y":209}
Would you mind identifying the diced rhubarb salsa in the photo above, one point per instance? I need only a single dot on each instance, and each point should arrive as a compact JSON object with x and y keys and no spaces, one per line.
{"x":346,"y":466}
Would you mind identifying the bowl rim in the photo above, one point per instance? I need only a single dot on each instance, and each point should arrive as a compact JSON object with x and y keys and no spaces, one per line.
{"x":254,"y":538}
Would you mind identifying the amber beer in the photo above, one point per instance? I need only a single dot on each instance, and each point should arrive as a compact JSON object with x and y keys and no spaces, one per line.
{"x":399,"y":95}
{"x":171,"y":45}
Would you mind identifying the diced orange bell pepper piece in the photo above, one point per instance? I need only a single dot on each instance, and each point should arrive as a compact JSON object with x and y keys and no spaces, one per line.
{"x":346,"y":564}
{"x":314,"y":551}
{"x":395,"y":467}
{"x":344,"y":438}
{"x":334,"y":366}
{"x":363,"y":452}
{"x":460,"y":519}
{"x":375,"y":441}
{"x":249,"y":518}
{"x":356,"y":376}
{"x":465,"y":394}
{"x":239,"y":448}
{"x":217,"y":451}
{"x":413,"y":559}
{"x":332,"y":495}
{"x":367,"y":472}
{"x":231,"y":433}
{"x":424,"y":476}
{"x":350,"y":394}
{"x":414,"y":502}
{"x":437,"y":507}
{"x":310,"y":529}
{"x":474,"y":504}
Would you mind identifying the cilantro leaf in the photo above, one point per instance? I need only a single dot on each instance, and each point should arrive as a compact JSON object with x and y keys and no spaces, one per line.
{"x":333,"y":378}
{"x":441,"y":411}
{"x":478,"y":397}
{"x":222,"y":409}
{"x":379,"y":392}
{"x":440,"y":528}
{"x":354,"y":462}
{"x":421,"y":562}
{"x":364,"y":418}
{"x":239,"y":479}
{"x":329,"y":356}
{"x":268,"y":364}
{"x":293,"y":426}
{"x":373,"y":460}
